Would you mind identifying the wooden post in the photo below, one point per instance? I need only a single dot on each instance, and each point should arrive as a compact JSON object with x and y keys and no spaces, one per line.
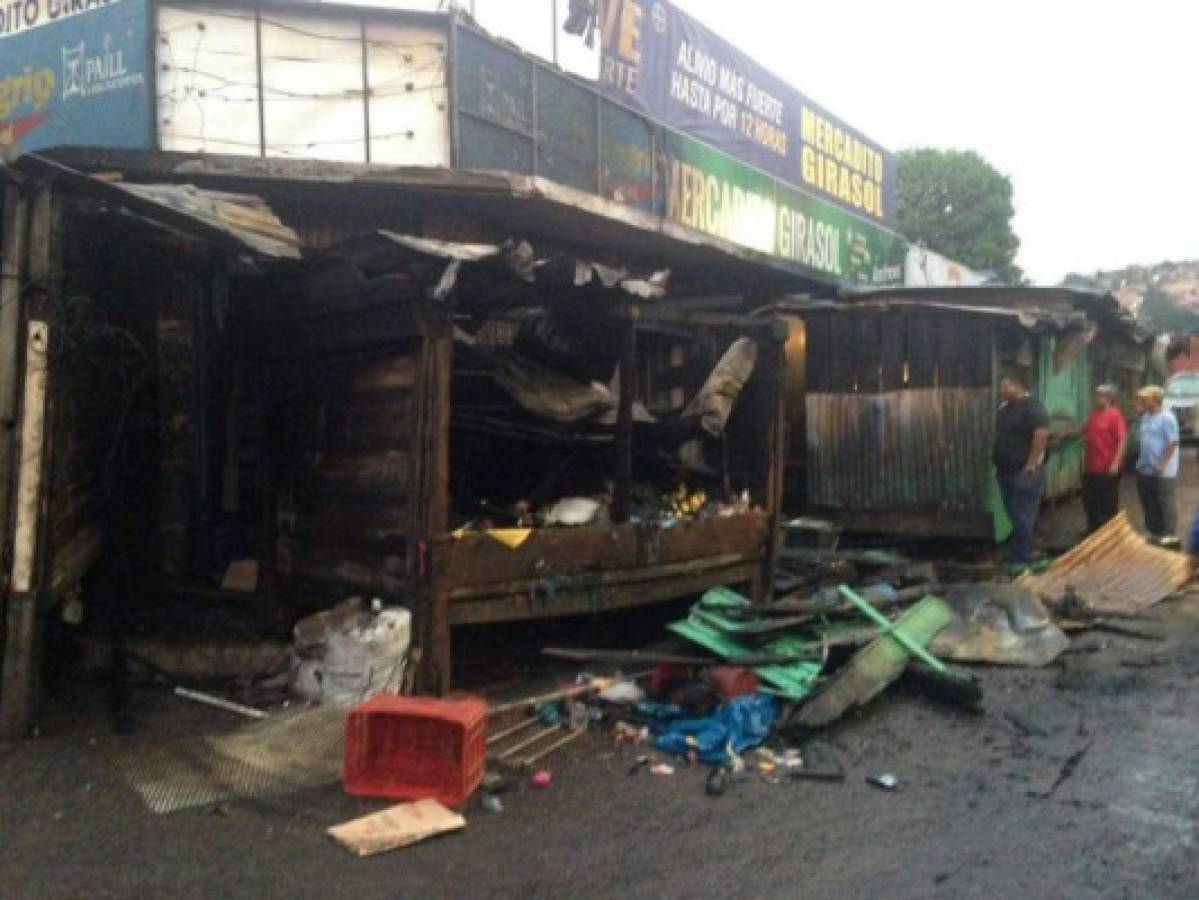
{"x":436,"y":501}
{"x":11,"y":256}
{"x":621,"y":502}
{"x":776,"y":459}
{"x":20,"y":675}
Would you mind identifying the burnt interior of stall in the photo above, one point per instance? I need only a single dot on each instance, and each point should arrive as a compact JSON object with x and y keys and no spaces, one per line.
{"x":535,"y":437}
{"x":263,"y":442}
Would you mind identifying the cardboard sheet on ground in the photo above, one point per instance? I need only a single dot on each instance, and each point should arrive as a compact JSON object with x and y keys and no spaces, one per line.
{"x":399,"y":826}
{"x":1115,"y":570}
{"x":1005,"y":624}
{"x":876,"y":665}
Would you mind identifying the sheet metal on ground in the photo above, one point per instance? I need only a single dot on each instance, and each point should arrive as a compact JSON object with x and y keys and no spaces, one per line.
{"x":287,"y":753}
{"x":1115,"y":570}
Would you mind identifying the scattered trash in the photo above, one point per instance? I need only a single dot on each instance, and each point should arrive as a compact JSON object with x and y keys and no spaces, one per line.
{"x":541,"y":779}
{"x":717,"y":782}
{"x":493,"y":804}
{"x":496,"y":782}
{"x":549,"y":714}
{"x":631,"y":734}
{"x":886,"y":781}
{"x":662,"y":770}
{"x":622,"y":692}
{"x":580,"y":715}
{"x":220,"y":703}
{"x":641,"y":763}
{"x":397,"y":827}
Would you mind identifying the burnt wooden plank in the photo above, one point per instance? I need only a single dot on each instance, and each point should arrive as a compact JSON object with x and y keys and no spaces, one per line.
{"x":380,"y":526}
{"x":892,"y":350}
{"x":818,"y":350}
{"x":922,"y":350}
{"x":478,"y":560}
{"x":641,"y":588}
{"x":350,"y":569}
{"x":376,"y":476}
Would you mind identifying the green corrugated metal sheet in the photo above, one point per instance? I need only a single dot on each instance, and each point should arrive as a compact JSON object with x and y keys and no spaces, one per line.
{"x":1065,"y":392}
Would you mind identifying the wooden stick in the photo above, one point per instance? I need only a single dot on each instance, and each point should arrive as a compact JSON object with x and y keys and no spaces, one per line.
{"x":582,"y":654}
{"x":596,"y":684}
{"x":574,"y":735}
{"x":508,"y":732}
{"x":528,"y":742}
{"x":220,"y":703}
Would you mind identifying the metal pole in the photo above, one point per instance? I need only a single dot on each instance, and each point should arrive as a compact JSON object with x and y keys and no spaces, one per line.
{"x":554,"y":27}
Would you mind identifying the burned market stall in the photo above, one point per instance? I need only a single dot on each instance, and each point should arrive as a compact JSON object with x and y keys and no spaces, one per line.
{"x":483,"y":436}
{"x":899,"y":393}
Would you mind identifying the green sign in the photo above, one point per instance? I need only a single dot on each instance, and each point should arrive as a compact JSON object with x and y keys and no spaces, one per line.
{"x":711,"y":192}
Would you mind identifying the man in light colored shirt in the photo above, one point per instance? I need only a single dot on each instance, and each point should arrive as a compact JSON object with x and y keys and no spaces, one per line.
{"x":1157,"y":466}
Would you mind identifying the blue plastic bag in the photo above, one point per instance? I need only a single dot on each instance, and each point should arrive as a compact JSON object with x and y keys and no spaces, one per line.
{"x":739,"y":725}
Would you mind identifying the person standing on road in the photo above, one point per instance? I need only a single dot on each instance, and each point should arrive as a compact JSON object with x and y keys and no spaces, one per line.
{"x":1021,"y":436}
{"x":1106,"y":436}
{"x":1157,"y":466}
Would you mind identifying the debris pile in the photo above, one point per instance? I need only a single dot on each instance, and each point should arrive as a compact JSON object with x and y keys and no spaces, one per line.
{"x":738,"y":691}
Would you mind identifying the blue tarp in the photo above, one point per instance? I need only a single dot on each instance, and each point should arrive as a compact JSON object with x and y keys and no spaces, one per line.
{"x":739,"y":725}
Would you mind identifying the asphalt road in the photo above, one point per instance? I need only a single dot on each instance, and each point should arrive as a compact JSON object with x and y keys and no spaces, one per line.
{"x":977,"y":815}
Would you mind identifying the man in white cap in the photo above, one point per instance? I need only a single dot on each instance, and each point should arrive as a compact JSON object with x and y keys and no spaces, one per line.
{"x":1157,"y":466}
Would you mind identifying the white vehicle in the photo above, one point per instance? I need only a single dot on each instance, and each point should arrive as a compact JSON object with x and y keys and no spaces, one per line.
{"x":1182,"y":399}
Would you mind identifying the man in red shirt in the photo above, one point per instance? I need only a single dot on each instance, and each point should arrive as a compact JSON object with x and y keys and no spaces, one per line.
{"x":1106,"y":434}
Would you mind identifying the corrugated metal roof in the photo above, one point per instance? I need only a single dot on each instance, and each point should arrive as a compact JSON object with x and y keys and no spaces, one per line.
{"x":242,"y":216}
{"x":241,"y":222}
{"x":1115,"y":570}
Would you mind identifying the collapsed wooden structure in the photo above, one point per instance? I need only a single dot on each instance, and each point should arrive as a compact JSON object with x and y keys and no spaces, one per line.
{"x":196,"y":394}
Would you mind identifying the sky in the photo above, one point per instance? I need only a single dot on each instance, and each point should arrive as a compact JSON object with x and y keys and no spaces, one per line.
{"x":1089,"y":107}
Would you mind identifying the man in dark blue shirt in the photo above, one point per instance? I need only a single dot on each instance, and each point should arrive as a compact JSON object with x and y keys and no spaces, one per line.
{"x":1021,"y":436}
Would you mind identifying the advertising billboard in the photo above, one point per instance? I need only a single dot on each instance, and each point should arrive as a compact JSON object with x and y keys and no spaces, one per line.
{"x":670,"y":67}
{"x":712,"y":192}
{"x":73,"y":72}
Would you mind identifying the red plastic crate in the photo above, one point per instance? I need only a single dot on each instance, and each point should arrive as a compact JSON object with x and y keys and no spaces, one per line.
{"x":416,"y":748}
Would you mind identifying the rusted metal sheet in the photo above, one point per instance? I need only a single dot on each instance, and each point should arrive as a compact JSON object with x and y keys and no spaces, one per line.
{"x":1115,"y":570}
{"x":246,"y":218}
{"x":923,"y":449}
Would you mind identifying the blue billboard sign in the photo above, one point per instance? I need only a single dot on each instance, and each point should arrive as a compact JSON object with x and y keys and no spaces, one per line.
{"x":75,"y":73}
{"x":674,"y":70}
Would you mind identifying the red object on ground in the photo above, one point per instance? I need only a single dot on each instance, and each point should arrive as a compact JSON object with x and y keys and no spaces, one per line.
{"x":416,"y":748}
{"x":663,"y":674}
{"x":731,"y":682}
{"x":542,"y":779}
